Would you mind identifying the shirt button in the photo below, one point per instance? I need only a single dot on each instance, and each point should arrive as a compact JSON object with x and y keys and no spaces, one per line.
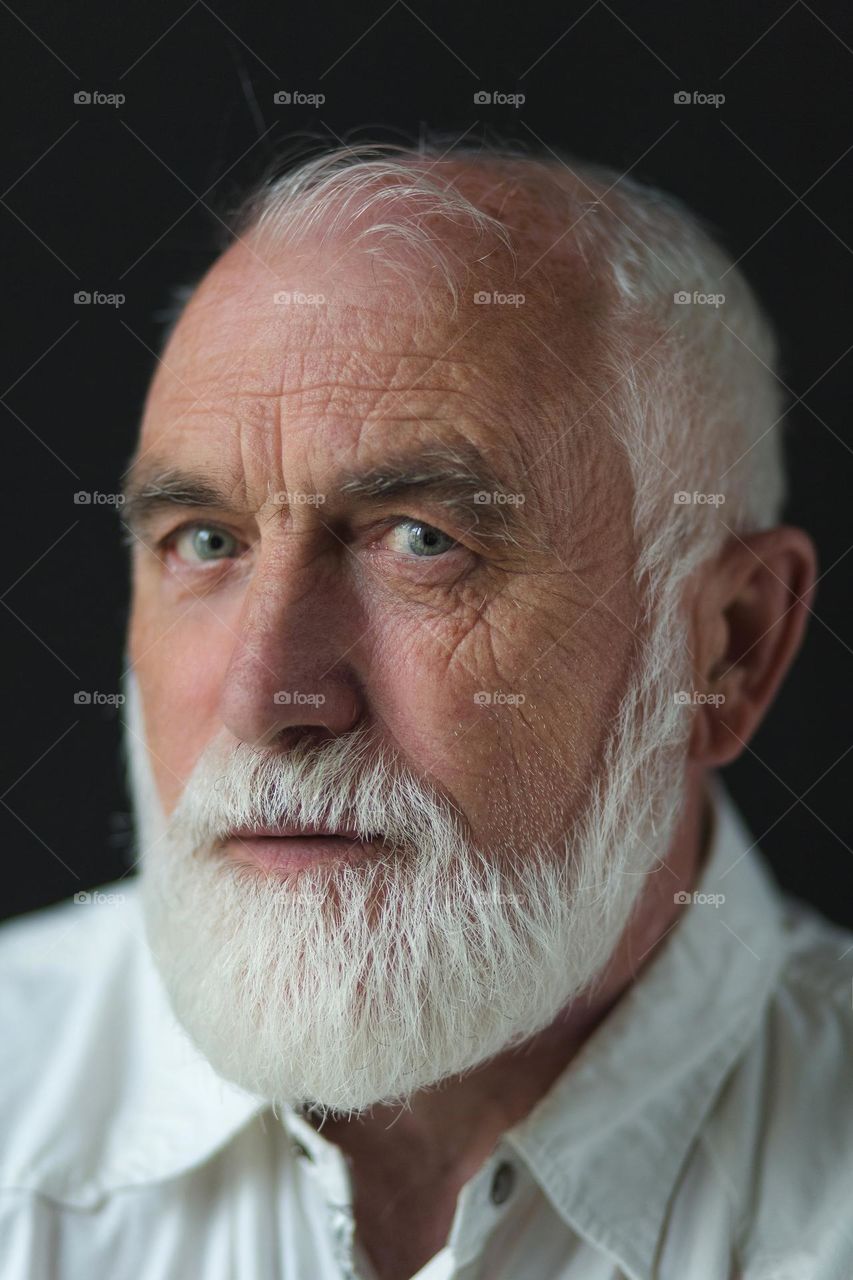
{"x":502,"y":1183}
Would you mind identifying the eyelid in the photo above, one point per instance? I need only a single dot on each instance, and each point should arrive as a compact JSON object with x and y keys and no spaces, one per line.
{"x":199,"y":524}
{"x":167,"y":541}
{"x":395,"y":523}
{"x":391,"y":522}
{"x":388,"y":524}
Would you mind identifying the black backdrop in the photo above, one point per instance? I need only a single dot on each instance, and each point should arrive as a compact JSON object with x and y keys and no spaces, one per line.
{"x":123,"y":198}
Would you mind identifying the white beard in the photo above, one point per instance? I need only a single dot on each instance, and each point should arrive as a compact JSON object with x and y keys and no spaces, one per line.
{"x":353,"y":985}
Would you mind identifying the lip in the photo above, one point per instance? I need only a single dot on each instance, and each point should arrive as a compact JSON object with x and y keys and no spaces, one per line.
{"x":293,"y":830}
{"x":282,"y":854}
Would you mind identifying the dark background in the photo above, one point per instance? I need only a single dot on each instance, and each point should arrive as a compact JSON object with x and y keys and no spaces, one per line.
{"x":128,"y":200}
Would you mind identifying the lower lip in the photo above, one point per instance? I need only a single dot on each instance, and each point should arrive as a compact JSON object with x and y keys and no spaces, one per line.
{"x":283,"y":854}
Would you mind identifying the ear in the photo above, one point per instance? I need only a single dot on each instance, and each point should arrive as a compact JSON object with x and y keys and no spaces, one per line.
{"x":749,"y":615}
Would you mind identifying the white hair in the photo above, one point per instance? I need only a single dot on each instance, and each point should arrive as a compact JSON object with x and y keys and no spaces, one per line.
{"x":689,"y":390}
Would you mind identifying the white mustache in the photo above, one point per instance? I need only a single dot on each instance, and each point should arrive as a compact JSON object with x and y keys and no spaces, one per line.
{"x":350,"y":783}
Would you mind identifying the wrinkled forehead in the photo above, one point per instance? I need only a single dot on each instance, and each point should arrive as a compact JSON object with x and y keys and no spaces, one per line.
{"x":327,"y":340}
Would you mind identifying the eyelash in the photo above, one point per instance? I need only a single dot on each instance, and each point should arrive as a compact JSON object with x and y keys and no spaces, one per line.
{"x":167,"y":543}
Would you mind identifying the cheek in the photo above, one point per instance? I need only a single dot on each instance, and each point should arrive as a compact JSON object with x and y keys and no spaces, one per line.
{"x":180,"y":673}
{"x":506,"y":713}
{"x":449,"y":694}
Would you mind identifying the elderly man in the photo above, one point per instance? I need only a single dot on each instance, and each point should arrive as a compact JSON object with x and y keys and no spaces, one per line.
{"x":457,"y":573}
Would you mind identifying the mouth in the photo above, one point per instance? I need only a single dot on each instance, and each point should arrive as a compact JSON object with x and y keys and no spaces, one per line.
{"x":292,"y":847}
{"x":294,"y":831}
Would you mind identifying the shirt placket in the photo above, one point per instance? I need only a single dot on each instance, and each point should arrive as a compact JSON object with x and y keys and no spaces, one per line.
{"x":328,"y":1168}
{"x":483,"y":1204}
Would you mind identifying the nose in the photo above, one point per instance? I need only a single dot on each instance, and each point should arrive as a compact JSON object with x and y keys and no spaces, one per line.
{"x":287,"y":670}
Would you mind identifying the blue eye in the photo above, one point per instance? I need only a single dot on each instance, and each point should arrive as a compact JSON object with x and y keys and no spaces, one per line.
{"x":205,"y":543}
{"x":415,"y":538}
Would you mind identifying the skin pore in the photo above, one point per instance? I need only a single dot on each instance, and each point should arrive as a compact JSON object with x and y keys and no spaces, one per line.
{"x":324,"y":594}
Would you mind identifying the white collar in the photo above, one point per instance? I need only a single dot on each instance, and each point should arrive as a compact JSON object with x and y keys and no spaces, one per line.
{"x":609,"y":1139}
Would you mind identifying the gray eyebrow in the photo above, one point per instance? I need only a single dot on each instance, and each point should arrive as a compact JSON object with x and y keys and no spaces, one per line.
{"x":449,"y":477}
{"x":149,"y":490}
{"x":448,"y":468}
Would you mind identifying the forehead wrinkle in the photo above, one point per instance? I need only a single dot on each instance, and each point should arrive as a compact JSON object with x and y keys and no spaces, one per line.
{"x":293,"y":378}
{"x":376,"y":444}
{"x":501,"y":401}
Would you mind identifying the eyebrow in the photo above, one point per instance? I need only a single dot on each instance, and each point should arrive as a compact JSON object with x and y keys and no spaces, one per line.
{"x":151,"y":488}
{"x":452,"y":478}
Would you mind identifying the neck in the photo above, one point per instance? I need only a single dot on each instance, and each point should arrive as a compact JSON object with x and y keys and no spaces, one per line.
{"x":442,"y":1135}
{"x":439,"y":1139}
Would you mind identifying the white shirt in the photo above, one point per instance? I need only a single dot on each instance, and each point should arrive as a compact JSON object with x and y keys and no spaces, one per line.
{"x":703,"y":1132}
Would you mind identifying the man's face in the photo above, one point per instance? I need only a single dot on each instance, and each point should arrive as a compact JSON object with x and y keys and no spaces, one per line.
{"x":490,"y":655}
{"x":451,"y":667}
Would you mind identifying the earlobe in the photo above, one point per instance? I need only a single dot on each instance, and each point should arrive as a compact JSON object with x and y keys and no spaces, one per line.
{"x":762,"y":588}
